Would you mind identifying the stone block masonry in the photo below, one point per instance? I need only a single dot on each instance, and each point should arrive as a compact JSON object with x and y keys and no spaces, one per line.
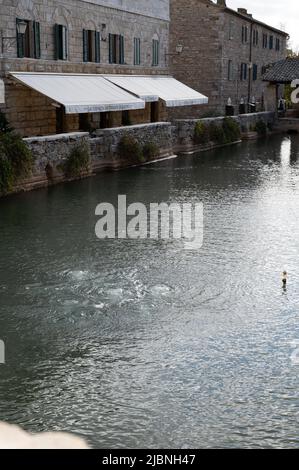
{"x":185,"y":127}
{"x":51,"y":152}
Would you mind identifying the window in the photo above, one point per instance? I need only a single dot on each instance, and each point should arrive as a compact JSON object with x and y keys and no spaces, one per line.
{"x":254,"y":72}
{"x":28,"y":44}
{"x":230,"y":70}
{"x":91,"y":46}
{"x":156,"y":52}
{"x":265,"y":41}
{"x":116,"y":49}
{"x":277,"y":46}
{"x":244,"y":69}
{"x":61,"y":42}
{"x":231,"y":30}
{"x":244,"y":34}
{"x":137,"y":51}
{"x":271,"y":42}
{"x":255,"y":38}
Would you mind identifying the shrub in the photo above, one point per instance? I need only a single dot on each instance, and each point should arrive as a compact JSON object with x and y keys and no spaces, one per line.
{"x":130,"y":149}
{"x":150,"y":151}
{"x":18,"y":153}
{"x":16,"y":160}
{"x":216,"y":133}
{"x":201,"y":133}
{"x":231,"y":130}
{"x":261,"y":128}
{"x":78,"y":161}
{"x":4,"y":125}
{"x":6,"y":174}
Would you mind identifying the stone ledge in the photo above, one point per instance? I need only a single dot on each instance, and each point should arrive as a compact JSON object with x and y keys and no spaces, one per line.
{"x":55,"y":137}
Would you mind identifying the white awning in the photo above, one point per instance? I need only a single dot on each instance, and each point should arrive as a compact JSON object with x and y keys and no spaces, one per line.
{"x":2,"y":92}
{"x":80,"y":93}
{"x":151,"y":88}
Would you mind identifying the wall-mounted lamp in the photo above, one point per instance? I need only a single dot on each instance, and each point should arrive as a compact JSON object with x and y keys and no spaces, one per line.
{"x":104,"y":32}
{"x":178,"y":50}
{"x":21,"y":29}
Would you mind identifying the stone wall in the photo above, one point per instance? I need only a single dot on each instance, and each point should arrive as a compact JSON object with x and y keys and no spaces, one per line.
{"x":51,"y":152}
{"x":185,"y":127}
{"x":104,"y":148}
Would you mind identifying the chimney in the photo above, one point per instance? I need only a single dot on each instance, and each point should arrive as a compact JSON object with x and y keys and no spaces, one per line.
{"x":244,"y":11}
{"x":221,"y":3}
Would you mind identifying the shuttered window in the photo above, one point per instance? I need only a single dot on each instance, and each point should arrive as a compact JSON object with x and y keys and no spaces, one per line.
{"x":91,"y":46}
{"x":156,"y":52}
{"x":244,"y":34}
{"x":28,"y":44}
{"x":277,"y":47}
{"x":271,"y":42}
{"x":254,"y":72}
{"x":61,"y":42}
{"x":116,"y":49}
{"x":265,"y":41}
{"x":244,"y":69}
{"x":137,"y":51}
{"x":255,"y":37}
{"x":230,"y":70}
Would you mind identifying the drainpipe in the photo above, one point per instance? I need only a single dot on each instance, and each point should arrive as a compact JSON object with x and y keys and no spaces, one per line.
{"x":250,"y":65}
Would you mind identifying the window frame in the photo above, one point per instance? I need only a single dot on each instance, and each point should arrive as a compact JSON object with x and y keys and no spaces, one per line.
{"x":116,"y":49}
{"x":61,"y":42}
{"x":137,"y":51}
{"x":28,"y":44}
{"x":155,"y":53}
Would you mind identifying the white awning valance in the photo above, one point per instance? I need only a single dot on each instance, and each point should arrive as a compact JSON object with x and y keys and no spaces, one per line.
{"x":80,"y":93}
{"x":153,"y":88}
{"x":2,"y":92}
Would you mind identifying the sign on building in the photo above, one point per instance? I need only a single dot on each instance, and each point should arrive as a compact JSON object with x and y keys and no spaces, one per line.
{"x":2,"y":92}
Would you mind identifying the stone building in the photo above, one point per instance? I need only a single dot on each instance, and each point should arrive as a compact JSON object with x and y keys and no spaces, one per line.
{"x":72,"y":37}
{"x":224,"y":54}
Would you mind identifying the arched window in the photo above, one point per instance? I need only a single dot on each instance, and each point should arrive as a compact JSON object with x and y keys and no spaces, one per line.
{"x":156,"y":51}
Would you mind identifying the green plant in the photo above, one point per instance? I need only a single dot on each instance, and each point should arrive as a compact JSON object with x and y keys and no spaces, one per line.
{"x":231,"y":130}
{"x":201,"y":133}
{"x":150,"y":151}
{"x":4,"y":125}
{"x":16,"y":160}
{"x":261,"y":128}
{"x":18,"y":154}
{"x":130,"y":149}
{"x":216,"y":133}
{"x":78,"y":161}
{"x":6,"y":174}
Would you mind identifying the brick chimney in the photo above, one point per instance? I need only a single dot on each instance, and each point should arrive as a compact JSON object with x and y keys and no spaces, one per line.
{"x":244,"y":11}
{"x":221,"y":3}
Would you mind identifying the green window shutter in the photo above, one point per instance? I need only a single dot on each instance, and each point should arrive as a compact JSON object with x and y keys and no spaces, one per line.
{"x":20,"y":42}
{"x":64,"y":43}
{"x":121,"y":50}
{"x":97,"y":47}
{"x":57,"y":41}
{"x":255,"y":72}
{"x":110,"y":48}
{"x":153,"y":53}
{"x":85,"y":45}
{"x":37,"y":50}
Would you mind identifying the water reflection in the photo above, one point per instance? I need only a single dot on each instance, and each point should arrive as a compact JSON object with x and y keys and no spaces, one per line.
{"x":143,"y":344}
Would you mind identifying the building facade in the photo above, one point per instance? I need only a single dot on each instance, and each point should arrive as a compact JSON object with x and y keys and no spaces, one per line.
{"x":78,"y":37}
{"x":224,"y":54}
